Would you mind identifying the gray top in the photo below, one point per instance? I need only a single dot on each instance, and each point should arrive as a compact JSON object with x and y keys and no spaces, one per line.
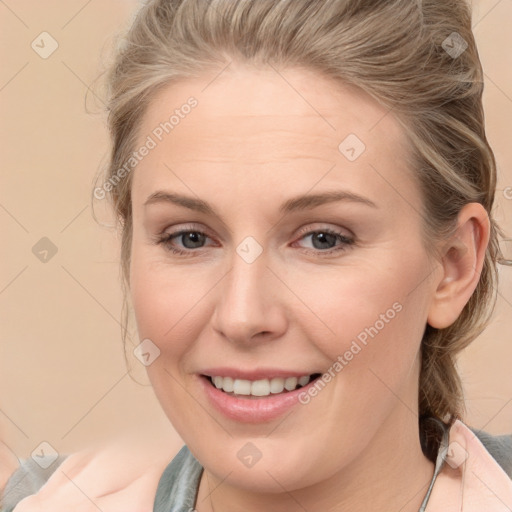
{"x":179,"y":483}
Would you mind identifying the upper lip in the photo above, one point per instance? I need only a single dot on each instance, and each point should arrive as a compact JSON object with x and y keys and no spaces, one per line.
{"x":255,"y":373}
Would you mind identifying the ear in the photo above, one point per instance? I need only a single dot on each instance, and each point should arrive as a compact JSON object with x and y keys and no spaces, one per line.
{"x":462,"y":259}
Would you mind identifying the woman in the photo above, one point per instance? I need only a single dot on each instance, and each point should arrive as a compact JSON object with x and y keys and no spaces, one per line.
{"x":305,"y":191}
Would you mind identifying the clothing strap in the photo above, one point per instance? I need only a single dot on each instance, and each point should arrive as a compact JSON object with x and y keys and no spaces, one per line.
{"x":441,"y":458}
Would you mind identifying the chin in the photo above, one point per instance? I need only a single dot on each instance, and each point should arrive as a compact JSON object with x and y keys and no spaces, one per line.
{"x":267,"y":466}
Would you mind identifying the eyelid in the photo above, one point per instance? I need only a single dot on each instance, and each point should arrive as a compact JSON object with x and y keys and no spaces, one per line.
{"x":322,"y":226}
{"x":185,"y":228}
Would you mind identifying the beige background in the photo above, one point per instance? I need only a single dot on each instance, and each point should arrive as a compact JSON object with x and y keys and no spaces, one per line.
{"x":63,"y":378}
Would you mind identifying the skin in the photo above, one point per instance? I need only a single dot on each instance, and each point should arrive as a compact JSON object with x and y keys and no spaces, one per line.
{"x":252,"y":143}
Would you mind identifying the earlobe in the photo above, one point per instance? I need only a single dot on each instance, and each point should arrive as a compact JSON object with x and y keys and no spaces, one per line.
{"x":462,"y":261}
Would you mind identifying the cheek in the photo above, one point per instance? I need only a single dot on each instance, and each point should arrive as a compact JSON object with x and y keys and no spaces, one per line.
{"x":163,"y":300}
{"x":167,"y":308}
{"x":375,"y":319}
{"x":172,"y":307}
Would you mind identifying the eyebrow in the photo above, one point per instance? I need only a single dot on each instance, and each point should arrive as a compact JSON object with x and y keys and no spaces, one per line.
{"x":298,"y":203}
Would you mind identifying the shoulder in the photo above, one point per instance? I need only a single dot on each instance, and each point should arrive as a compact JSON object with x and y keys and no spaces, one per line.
{"x":28,"y":479}
{"x":500,"y":447}
{"x":118,"y":476}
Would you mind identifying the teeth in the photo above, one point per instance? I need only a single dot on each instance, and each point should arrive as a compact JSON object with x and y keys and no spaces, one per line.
{"x":290,"y":383}
{"x":241,"y":387}
{"x":227,"y":384}
{"x":277,"y":385}
{"x":304,"y":380}
{"x":262,"y":387}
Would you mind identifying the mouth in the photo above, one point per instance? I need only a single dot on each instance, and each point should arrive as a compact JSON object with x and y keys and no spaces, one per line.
{"x":260,"y":388}
{"x":257,"y":395}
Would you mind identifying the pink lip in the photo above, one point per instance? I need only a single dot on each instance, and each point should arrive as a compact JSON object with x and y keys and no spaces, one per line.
{"x":254,"y":374}
{"x":251,"y":410}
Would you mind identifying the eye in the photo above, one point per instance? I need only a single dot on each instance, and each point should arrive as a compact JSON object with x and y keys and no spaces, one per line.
{"x":187,"y":240}
{"x":327,"y":241}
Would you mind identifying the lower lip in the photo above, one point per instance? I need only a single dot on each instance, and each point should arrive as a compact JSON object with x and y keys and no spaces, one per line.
{"x":252,"y":410}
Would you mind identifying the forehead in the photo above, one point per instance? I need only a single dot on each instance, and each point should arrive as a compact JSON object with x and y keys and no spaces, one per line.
{"x":251,"y":126}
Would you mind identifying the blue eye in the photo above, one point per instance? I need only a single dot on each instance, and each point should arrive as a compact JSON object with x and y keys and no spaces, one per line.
{"x":190,"y":240}
{"x":325,"y":241}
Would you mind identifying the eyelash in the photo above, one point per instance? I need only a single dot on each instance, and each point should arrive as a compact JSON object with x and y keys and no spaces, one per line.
{"x":165,"y":239}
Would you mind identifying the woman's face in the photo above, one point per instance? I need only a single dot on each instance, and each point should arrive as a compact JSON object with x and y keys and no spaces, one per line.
{"x":302,"y":255}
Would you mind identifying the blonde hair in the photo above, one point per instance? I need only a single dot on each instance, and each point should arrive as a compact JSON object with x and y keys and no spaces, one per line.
{"x":400,"y":52}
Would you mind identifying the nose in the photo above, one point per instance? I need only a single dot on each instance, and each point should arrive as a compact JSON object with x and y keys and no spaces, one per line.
{"x":250,"y":303}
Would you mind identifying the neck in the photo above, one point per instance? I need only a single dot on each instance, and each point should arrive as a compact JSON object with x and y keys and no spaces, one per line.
{"x":390,"y":474}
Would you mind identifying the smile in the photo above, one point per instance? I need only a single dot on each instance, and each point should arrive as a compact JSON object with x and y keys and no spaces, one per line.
{"x":260,"y":387}
{"x":254,"y":399}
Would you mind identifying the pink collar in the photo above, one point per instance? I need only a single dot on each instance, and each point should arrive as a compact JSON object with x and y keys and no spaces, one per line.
{"x":471,"y":480}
